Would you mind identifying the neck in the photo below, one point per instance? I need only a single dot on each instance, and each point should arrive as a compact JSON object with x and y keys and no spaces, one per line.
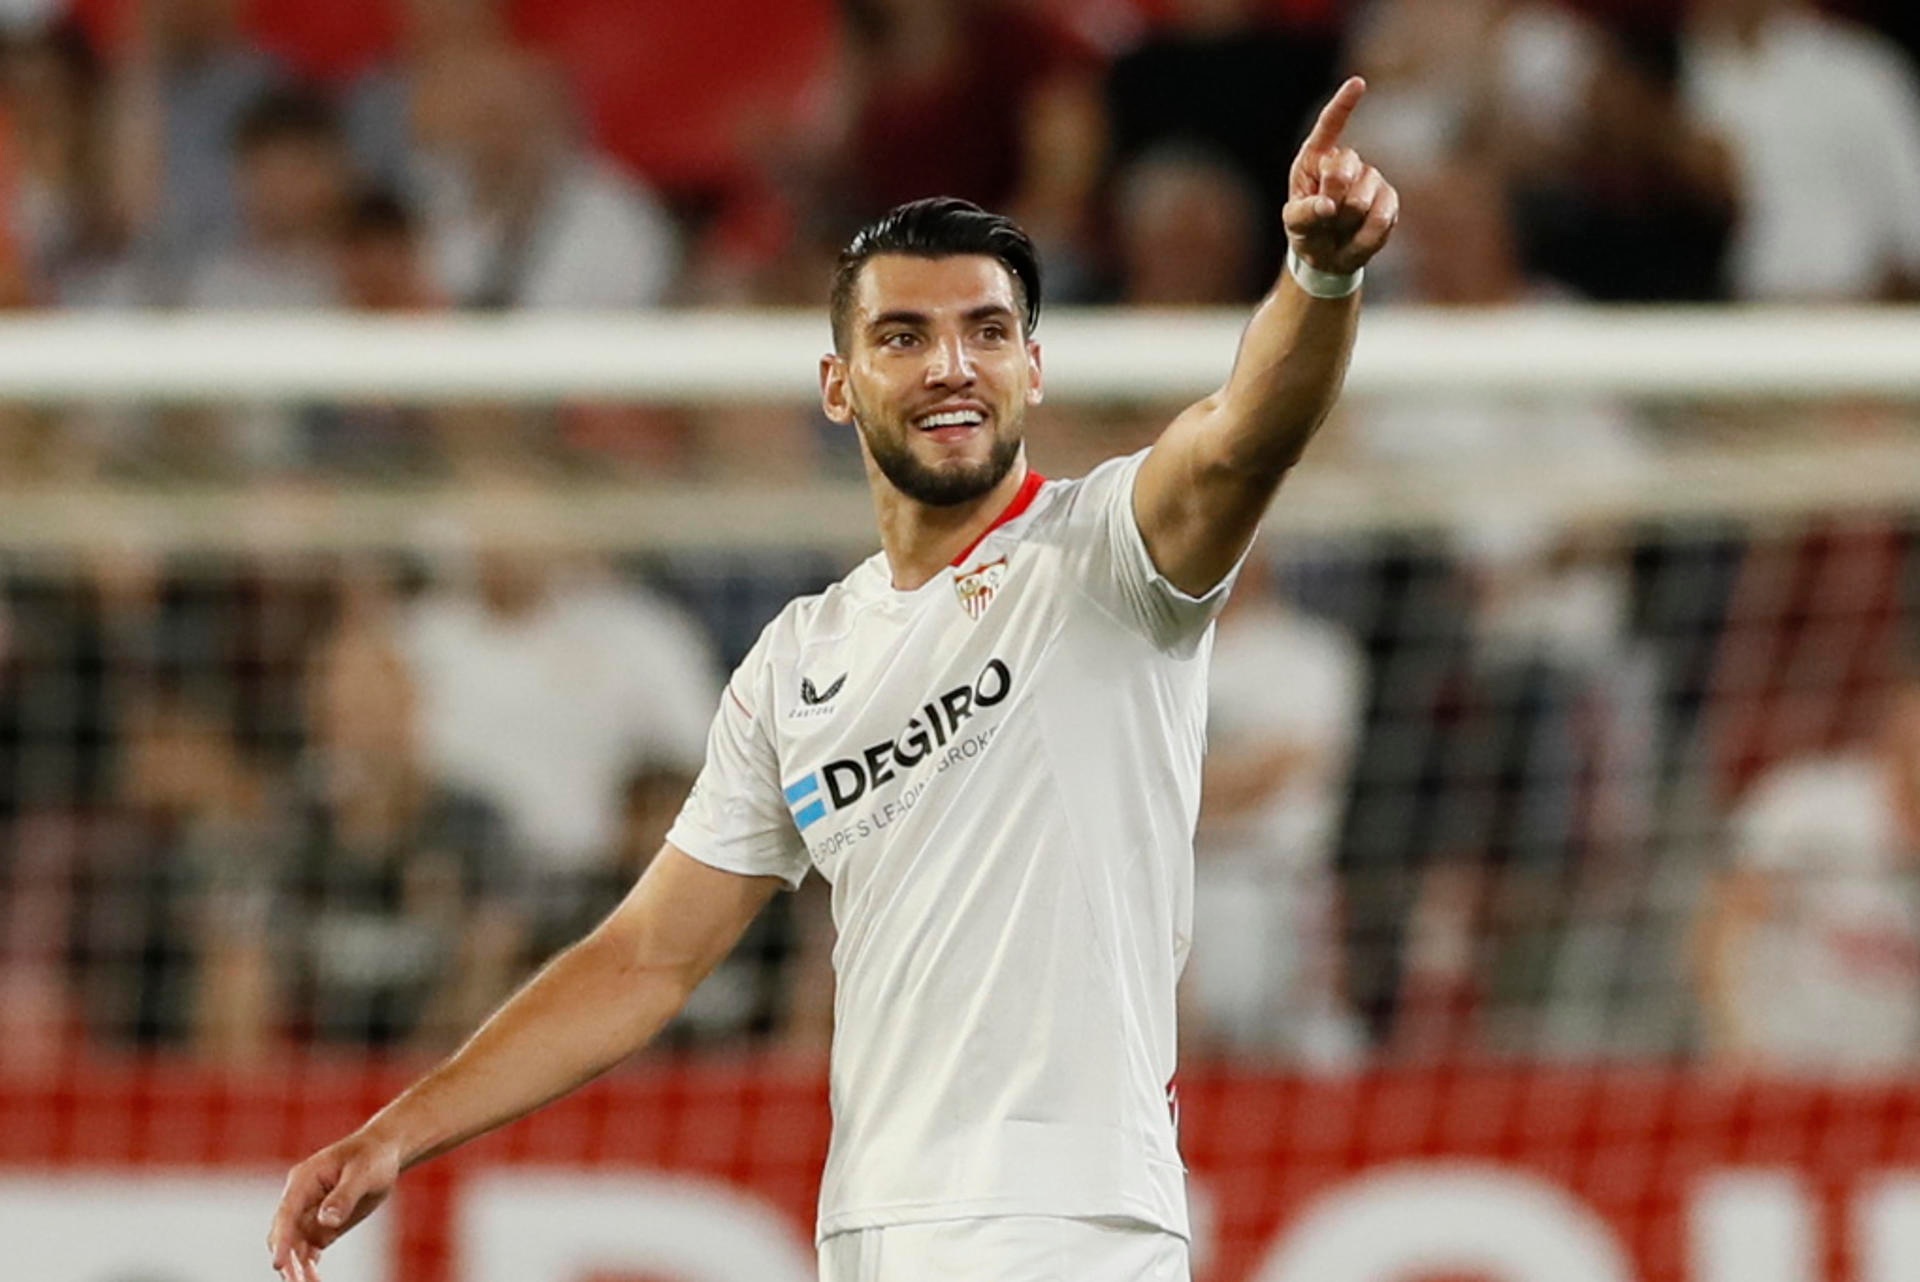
{"x":921,"y":540}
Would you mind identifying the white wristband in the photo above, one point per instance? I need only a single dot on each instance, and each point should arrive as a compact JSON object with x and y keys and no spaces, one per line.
{"x":1322,"y":284}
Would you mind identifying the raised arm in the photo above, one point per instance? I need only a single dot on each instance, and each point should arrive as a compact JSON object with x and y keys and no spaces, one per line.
{"x":1205,"y":485}
{"x":590,"y":1007}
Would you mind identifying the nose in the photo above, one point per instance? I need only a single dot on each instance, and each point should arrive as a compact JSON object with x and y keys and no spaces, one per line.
{"x":950,"y":364}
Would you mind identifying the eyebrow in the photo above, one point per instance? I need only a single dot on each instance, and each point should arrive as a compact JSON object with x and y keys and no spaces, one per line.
{"x":901,"y":316}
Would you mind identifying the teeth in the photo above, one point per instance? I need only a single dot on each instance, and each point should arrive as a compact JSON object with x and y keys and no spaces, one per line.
{"x":954,"y":418}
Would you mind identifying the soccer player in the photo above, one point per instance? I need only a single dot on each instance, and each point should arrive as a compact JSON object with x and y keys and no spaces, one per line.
{"x":987,"y":738}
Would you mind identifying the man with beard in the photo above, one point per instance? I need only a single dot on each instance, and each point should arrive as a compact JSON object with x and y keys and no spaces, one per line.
{"x":987,"y":739}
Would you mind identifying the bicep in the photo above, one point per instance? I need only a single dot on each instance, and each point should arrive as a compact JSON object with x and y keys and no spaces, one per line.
{"x":683,"y":916}
{"x":1196,"y":512}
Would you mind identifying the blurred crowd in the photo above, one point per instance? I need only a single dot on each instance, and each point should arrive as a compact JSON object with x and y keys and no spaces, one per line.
{"x":1514,"y":786}
{"x":499,"y":155}
{"x":1630,"y":790}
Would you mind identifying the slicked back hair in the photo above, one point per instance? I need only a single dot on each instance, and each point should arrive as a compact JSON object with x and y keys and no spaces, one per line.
{"x":938,"y":227}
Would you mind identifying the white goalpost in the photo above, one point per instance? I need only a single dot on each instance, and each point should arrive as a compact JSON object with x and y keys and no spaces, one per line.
{"x":1673,"y":357}
{"x":697,"y":356}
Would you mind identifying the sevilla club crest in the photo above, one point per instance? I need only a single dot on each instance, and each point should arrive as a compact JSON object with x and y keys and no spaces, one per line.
{"x":975,"y":588}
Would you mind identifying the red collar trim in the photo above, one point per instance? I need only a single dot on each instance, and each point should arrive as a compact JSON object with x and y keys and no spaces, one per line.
{"x":1022,"y":500}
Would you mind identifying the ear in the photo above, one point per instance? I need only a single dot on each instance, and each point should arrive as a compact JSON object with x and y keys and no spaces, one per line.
{"x":834,"y":401}
{"x":1036,"y":389}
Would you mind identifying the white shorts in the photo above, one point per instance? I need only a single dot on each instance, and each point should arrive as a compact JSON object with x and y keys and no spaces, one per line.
{"x":1009,"y":1248}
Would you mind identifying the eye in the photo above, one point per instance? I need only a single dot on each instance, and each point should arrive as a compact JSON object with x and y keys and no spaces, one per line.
{"x":993,"y":332}
{"x":899,"y":340}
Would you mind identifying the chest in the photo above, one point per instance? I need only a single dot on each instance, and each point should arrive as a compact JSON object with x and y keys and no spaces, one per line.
{"x":869,"y":714}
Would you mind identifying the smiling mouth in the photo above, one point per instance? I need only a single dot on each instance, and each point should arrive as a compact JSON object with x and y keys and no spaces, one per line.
{"x":950,"y":425}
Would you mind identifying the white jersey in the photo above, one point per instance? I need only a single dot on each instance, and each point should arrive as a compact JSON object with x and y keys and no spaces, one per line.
{"x":1834,"y":980}
{"x":998,"y":772}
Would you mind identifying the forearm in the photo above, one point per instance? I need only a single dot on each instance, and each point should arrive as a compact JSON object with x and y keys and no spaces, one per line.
{"x":1286,"y":376}
{"x":1199,"y":497}
{"x":588,"y":1009}
{"x":1203,"y":489}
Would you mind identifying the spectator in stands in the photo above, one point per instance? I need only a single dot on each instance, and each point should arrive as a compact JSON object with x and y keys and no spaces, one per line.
{"x":379,"y":259}
{"x":1487,"y":75}
{"x":1187,"y":233}
{"x":171,"y":929}
{"x":1548,"y":680}
{"x":1636,"y":203}
{"x":1284,"y":714}
{"x":394,"y":127}
{"x":523,"y":214}
{"x":1218,"y":77}
{"x":180,"y":88}
{"x":990,"y":100}
{"x":1801,"y":97}
{"x":58,"y":714}
{"x":1187,"y":224}
{"x":62,"y":207}
{"x":398,"y":924}
{"x":1505,"y":81}
{"x":57,"y":720}
{"x":544,"y":687}
{"x":1809,"y":957}
{"x":290,"y":164}
{"x":378,"y":268}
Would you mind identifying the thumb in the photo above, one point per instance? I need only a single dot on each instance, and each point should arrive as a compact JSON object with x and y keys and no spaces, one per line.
{"x":339,"y":1204}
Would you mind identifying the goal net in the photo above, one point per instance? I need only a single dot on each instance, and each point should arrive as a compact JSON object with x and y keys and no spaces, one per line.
{"x":1554,"y":906}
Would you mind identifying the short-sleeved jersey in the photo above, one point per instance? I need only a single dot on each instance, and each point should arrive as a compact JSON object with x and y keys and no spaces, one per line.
{"x":999,"y":773}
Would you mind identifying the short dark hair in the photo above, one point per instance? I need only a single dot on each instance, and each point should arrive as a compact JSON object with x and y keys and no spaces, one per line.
{"x":938,"y":227}
{"x":290,"y":115}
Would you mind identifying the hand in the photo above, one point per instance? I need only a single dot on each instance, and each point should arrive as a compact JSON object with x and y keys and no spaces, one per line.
{"x":325,"y":1196}
{"x":1339,"y":210}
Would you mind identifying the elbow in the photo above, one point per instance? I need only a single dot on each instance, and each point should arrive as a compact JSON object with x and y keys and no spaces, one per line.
{"x":641,"y":979}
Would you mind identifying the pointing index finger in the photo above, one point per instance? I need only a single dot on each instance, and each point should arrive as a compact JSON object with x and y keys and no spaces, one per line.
{"x":1333,"y":116}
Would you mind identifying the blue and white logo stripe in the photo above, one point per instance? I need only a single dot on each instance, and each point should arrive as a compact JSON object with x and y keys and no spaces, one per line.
{"x":806,"y":813}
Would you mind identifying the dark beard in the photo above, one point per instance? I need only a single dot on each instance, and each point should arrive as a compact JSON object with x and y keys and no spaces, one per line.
{"x":945,"y":487}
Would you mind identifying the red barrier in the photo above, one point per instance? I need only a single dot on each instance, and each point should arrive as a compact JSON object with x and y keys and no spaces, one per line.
{"x":1637,"y":1158}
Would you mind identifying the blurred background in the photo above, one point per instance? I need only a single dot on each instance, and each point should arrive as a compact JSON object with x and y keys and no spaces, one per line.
{"x":1558,"y":855}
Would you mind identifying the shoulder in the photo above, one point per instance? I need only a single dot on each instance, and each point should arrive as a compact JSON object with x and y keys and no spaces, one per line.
{"x":1077,"y":497}
{"x":831,"y":612}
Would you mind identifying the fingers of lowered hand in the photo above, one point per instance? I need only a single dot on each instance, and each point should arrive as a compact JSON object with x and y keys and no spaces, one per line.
{"x":297,"y":1199}
{"x":336,"y":1212}
{"x":304,"y":1266}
